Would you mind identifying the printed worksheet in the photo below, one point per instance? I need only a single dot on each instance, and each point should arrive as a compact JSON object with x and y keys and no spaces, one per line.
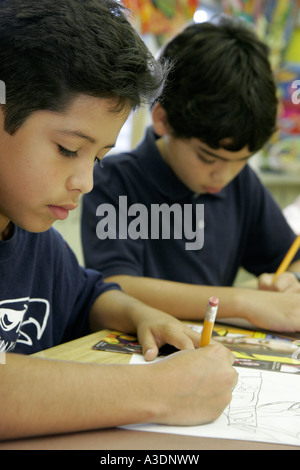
{"x":265,"y":407}
{"x":254,"y":349}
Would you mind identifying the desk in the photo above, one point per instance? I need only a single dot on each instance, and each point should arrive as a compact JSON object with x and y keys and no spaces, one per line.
{"x":120,"y":439}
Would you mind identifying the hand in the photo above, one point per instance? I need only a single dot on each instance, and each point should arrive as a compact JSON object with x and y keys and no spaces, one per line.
{"x":277,"y":311}
{"x":116,"y":310}
{"x":194,"y":386}
{"x":155,"y":328}
{"x":286,"y":282}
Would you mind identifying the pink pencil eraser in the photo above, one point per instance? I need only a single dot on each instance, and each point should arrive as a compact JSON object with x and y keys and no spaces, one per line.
{"x":213,"y":301}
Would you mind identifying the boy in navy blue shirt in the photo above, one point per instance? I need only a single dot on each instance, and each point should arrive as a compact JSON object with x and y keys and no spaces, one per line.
{"x":173,"y":220}
{"x":73,"y":72}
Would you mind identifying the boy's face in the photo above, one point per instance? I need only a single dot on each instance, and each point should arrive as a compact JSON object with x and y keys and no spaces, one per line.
{"x":201,"y":168}
{"x":47,"y":165}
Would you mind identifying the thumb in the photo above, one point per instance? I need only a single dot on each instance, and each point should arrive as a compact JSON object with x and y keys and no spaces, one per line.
{"x":265,"y":282}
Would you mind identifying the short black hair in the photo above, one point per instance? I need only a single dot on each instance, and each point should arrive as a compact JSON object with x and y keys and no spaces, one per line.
{"x":53,"y":50}
{"x":221,"y":85}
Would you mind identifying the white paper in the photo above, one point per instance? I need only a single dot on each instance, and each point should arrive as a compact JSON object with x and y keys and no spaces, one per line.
{"x":292,"y":215}
{"x":265,"y":407}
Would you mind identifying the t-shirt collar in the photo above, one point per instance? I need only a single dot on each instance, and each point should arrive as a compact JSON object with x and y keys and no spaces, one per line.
{"x":8,"y":247}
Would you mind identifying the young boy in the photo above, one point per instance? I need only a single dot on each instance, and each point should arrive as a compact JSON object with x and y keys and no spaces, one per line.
{"x":73,"y":72}
{"x":217,"y":109}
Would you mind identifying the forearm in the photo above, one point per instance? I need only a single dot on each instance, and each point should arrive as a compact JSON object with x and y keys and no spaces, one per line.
{"x":184,"y":301}
{"x":40,"y":396}
{"x":115,"y":310}
{"x":263,"y":309}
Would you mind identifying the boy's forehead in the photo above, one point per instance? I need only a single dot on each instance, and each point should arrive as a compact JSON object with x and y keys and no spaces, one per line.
{"x":89,"y":106}
{"x":222,"y":153}
{"x":86,"y":118}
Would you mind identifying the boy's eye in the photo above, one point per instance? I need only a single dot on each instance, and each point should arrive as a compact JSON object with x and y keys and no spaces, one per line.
{"x":65,"y":152}
{"x":205,"y":160}
{"x":69,"y":153}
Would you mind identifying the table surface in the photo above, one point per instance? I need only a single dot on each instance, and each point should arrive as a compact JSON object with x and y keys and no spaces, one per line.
{"x":80,"y":350}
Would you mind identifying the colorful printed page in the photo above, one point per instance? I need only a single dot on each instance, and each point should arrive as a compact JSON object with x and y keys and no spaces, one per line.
{"x":253,"y":349}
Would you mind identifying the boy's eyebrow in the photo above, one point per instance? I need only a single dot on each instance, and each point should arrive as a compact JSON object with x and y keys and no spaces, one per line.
{"x":222,"y":158}
{"x":81,"y":135}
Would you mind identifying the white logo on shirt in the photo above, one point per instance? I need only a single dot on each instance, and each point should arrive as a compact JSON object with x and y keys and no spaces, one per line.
{"x":12,"y":323}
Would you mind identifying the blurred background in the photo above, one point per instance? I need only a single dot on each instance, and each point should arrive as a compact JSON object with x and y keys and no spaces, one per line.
{"x":277,"y":23}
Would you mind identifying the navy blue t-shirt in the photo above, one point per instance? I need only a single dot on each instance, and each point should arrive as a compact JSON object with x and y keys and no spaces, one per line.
{"x":45,"y":296}
{"x":241,"y":226}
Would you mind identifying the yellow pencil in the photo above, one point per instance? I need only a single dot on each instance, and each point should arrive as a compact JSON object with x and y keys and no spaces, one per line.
{"x":288,"y":258}
{"x":209,"y":321}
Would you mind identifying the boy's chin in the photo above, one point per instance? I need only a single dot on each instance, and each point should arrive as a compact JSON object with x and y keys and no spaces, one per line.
{"x":37,"y":227}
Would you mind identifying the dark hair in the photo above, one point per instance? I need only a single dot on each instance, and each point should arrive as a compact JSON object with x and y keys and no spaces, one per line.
{"x":221,"y":85}
{"x":53,"y":50}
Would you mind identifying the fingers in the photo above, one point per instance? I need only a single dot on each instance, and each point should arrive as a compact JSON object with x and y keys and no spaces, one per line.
{"x":220,"y":354}
{"x":217,"y":348}
{"x":177,"y":334}
{"x":183,"y":336}
{"x":148,"y":344}
{"x":265,"y":282}
{"x":286,"y":282}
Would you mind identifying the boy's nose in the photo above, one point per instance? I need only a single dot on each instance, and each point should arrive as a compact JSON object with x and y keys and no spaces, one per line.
{"x":222,"y":174}
{"x":81,"y":180}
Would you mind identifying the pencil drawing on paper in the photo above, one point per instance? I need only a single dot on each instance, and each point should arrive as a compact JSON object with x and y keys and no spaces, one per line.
{"x":265,"y":407}
{"x":248,"y":413}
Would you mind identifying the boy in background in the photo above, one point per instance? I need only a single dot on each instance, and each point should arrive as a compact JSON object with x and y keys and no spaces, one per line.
{"x":73,"y":73}
{"x":217,"y":109}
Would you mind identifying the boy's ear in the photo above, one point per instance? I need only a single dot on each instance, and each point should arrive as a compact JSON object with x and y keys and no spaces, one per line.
{"x":160,"y":120}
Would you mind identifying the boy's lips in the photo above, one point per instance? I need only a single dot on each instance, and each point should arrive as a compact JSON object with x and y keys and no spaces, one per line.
{"x":62,"y":212}
{"x":210,"y":190}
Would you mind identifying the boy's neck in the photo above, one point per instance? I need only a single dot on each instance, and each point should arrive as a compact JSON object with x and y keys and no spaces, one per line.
{"x":161,"y":145}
